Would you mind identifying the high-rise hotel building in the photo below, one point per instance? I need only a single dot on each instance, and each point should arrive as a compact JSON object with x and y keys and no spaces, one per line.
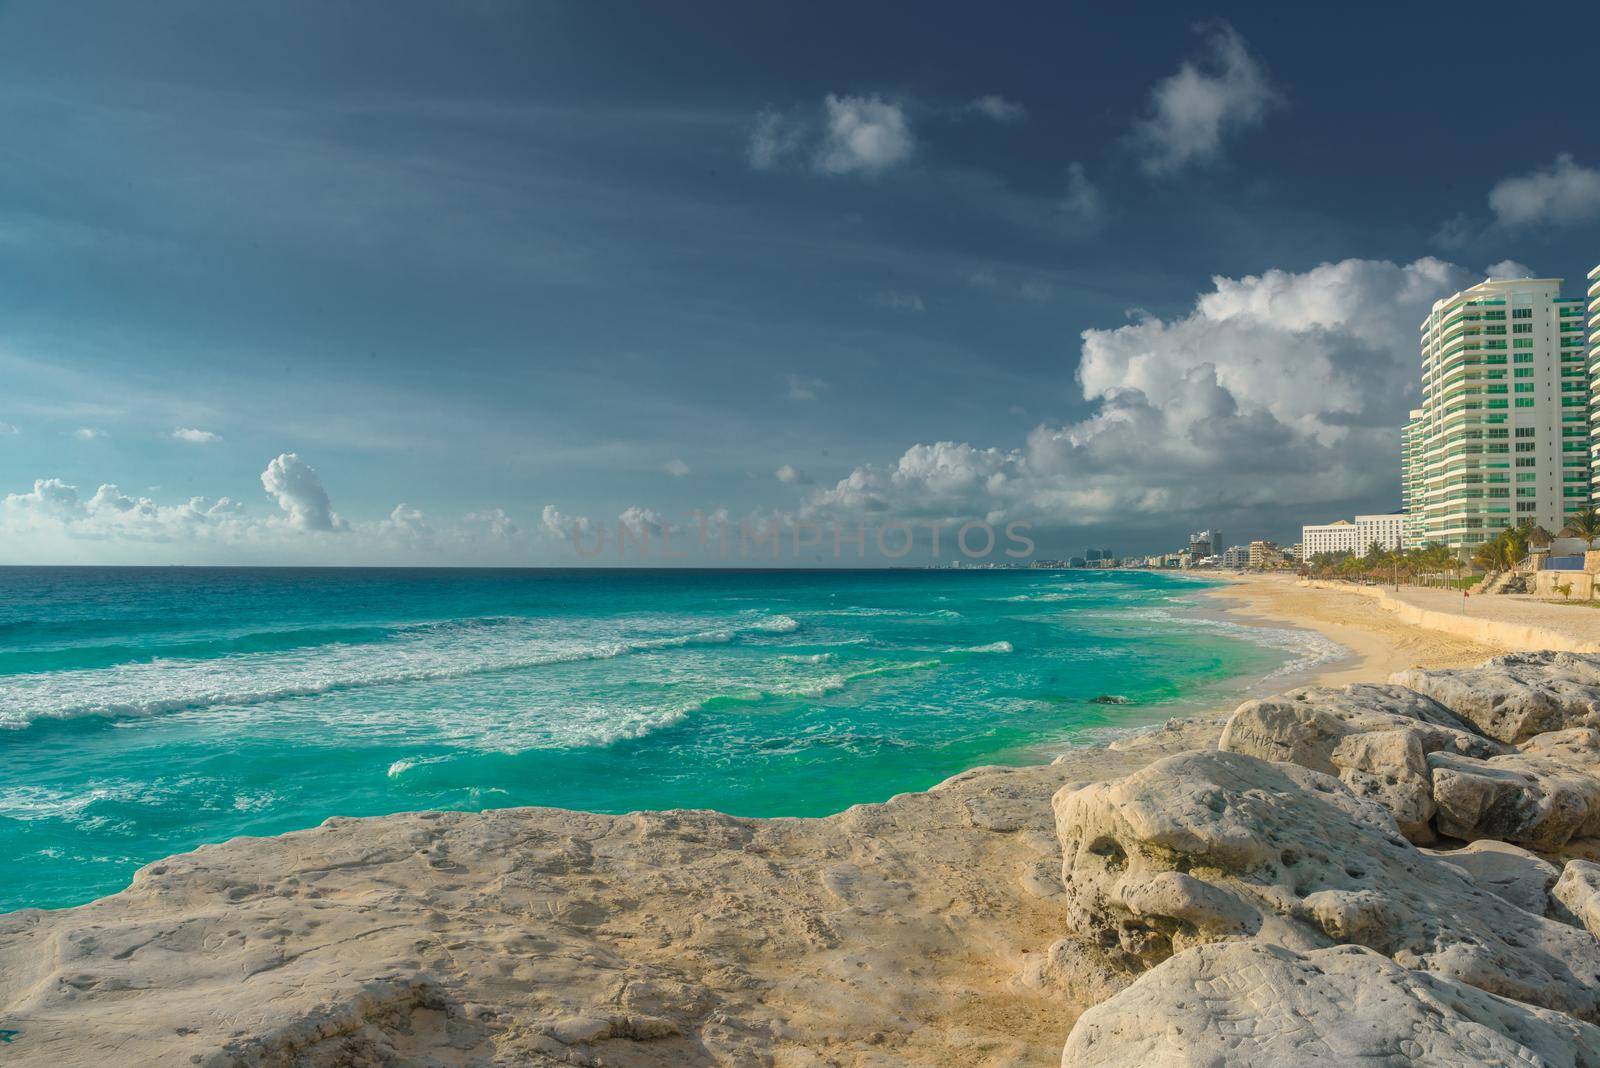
{"x":1594,"y":382}
{"x":1502,"y":436}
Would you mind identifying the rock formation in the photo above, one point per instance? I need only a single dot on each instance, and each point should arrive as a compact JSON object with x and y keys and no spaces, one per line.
{"x":1260,"y":1004}
{"x":1209,"y":846}
{"x":1514,"y":697}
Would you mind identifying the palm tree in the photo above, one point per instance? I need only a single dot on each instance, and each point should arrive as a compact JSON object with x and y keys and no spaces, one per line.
{"x":1586,"y":521}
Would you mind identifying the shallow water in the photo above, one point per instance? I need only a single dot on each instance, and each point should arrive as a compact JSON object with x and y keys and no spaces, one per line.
{"x":146,"y":711}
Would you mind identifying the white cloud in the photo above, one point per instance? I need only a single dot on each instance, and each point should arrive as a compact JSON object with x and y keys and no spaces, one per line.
{"x":554,"y":523}
{"x":298,"y":490}
{"x":898,"y":301}
{"x":55,"y":507}
{"x":494,"y":523}
{"x":1507,"y":269}
{"x":863,"y":135}
{"x":1277,"y":391}
{"x":774,"y":139}
{"x":1193,"y":111}
{"x":675,"y":467}
{"x":1564,"y":192}
{"x":645,"y":521}
{"x":792,"y":475}
{"x":997,"y":107}
{"x":88,"y":433}
{"x":196,"y":437}
{"x":803,"y":387}
{"x":1082,"y":205}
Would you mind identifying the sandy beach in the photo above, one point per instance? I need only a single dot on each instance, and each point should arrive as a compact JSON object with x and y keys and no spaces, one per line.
{"x":1379,"y":642}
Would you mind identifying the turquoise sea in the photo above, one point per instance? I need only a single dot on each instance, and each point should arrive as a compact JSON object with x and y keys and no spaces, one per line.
{"x":145,"y":711}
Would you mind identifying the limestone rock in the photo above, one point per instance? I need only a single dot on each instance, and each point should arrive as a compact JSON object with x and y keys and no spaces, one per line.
{"x":1210,"y":846}
{"x":1540,"y":796}
{"x":1375,"y":738}
{"x":1259,"y":1004}
{"x":1516,"y":696}
{"x":1521,"y":877}
{"x":1578,"y":892}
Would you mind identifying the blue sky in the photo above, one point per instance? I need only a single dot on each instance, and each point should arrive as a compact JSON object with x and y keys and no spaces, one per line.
{"x":471,"y":275}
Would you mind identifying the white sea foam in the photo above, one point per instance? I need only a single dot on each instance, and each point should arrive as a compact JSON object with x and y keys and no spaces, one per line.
{"x":1307,"y":648}
{"x":424,"y":653}
{"x":992,"y":647}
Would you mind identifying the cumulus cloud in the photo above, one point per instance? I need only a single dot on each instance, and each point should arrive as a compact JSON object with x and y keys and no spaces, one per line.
{"x":298,"y":491}
{"x":1509,"y":269}
{"x":792,"y":475}
{"x":88,"y":433}
{"x":196,"y":436}
{"x":1564,"y":192}
{"x":1192,"y":112}
{"x":1230,"y":406}
{"x":895,"y":300}
{"x":56,"y":507}
{"x":996,"y":107}
{"x":494,"y":523}
{"x":863,"y":135}
{"x":804,"y":387}
{"x":675,"y":467}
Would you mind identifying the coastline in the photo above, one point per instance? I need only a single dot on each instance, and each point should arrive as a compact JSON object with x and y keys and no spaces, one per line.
{"x":1378,"y":642}
{"x":926,"y":929}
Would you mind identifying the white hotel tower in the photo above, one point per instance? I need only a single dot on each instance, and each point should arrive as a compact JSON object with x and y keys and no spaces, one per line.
{"x":1594,"y":380}
{"x":1502,"y":436}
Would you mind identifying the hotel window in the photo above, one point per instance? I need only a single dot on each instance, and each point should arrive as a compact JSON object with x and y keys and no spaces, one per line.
{"x":1524,"y":357}
{"x":1523,"y":372}
{"x":1522,"y":343}
{"x":1522,"y":313}
{"x":1522,"y":328}
{"x":1526,"y":461}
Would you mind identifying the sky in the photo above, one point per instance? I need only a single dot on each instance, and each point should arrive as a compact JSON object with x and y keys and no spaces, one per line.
{"x":397,"y":283}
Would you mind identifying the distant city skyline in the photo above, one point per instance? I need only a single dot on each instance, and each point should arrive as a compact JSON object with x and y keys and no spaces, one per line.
{"x":445,"y":284}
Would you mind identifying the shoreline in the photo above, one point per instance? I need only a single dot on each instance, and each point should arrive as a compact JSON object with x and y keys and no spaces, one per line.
{"x":1379,"y":642}
{"x":930,"y":928}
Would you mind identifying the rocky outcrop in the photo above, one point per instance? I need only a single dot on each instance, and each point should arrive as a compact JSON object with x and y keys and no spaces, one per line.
{"x":1516,"y":696}
{"x":1210,"y":846}
{"x":889,"y":934}
{"x":1257,"y":1004}
{"x":1578,"y":894}
{"x":1375,"y":738}
{"x":1521,"y":877}
{"x":1541,"y":796}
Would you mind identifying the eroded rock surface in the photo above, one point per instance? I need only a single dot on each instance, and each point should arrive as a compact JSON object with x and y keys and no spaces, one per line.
{"x":1375,"y":738}
{"x":889,"y":934}
{"x":1259,"y":1004}
{"x":1578,"y":894}
{"x":1209,"y":846}
{"x":1541,"y":796}
{"x":1516,"y":874}
{"x":1516,"y":696}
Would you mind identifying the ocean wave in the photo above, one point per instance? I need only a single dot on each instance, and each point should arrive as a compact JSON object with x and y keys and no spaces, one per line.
{"x":1307,"y":648}
{"x":147,"y":688}
{"x":992,"y":647}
